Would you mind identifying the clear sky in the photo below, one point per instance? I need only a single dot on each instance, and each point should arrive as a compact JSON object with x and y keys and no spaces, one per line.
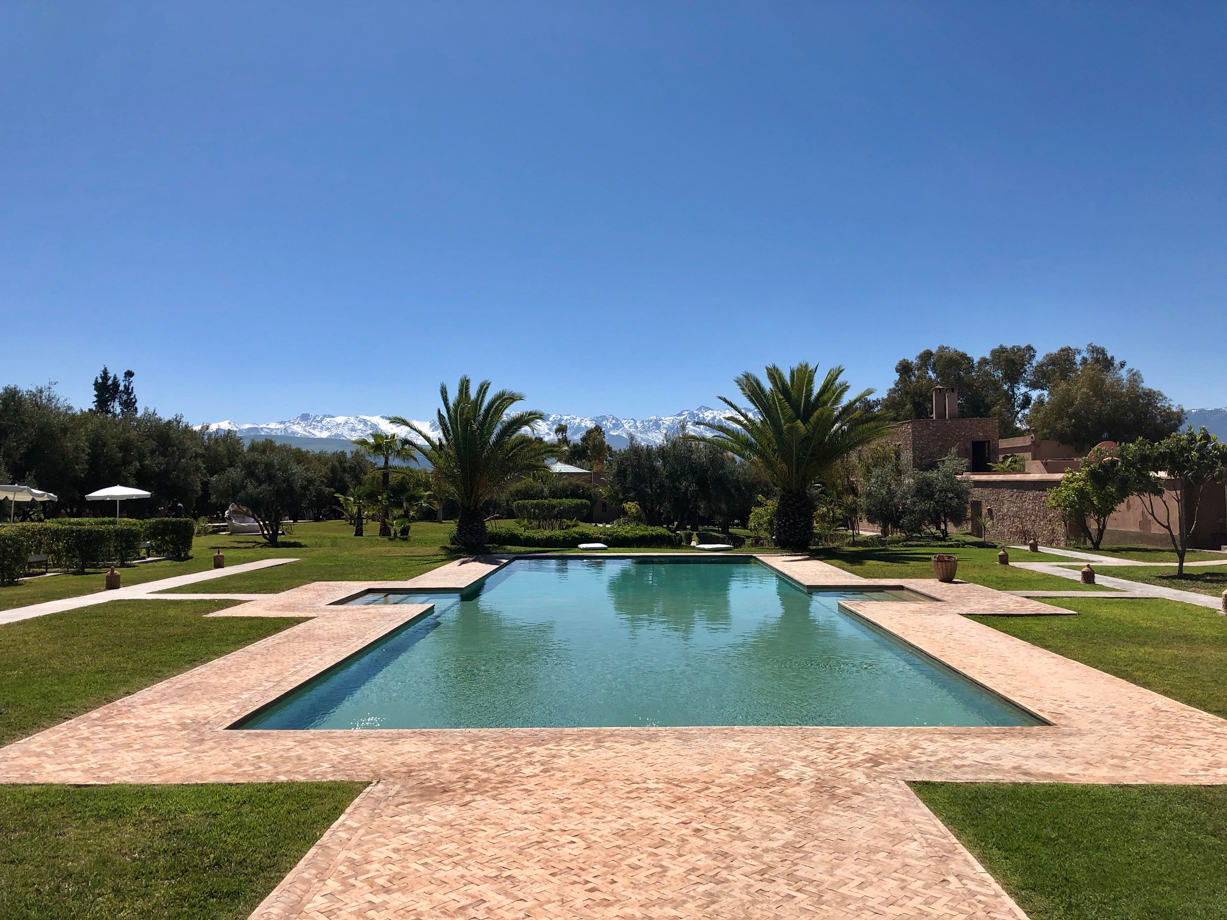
{"x":272,"y":208}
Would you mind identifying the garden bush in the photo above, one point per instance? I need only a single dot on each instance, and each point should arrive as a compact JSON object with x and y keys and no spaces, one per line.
{"x":14,"y":550}
{"x":551,"y":511}
{"x":623,"y":535}
{"x":79,"y":542}
{"x":170,"y":536}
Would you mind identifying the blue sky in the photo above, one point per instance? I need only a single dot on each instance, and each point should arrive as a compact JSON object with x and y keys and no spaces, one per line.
{"x":265,"y":209}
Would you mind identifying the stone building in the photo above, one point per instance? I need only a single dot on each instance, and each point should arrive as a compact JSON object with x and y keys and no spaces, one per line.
{"x":1013,"y":507}
{"x":921,"y":443}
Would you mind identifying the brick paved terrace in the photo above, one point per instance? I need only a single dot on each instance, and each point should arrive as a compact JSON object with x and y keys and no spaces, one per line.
{"x":635,"y":822}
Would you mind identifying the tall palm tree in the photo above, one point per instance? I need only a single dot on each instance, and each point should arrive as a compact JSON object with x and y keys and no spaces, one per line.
{"x":482,"y":448}
{"x":796,"y":436}
{"x":386,"y":447}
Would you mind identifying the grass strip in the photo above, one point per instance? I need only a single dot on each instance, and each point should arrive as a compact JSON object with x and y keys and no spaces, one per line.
{"x":200,"y":852}
{"x":1175,"y":649}
{"x":1078,"y":852}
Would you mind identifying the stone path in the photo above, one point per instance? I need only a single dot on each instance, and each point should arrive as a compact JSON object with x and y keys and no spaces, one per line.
{"x":144,"y":592}
{"x":754,"y":822}
{"x":1099,"y":559}
{"x":1133,"y":588}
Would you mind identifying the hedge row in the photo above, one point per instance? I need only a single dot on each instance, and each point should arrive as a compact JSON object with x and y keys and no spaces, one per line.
{"x":550,"y":510}
{"x":76,"y":543}
{"x":623,"y":535}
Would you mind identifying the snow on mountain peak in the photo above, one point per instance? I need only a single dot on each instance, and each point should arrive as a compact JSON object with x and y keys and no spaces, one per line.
{"x":618,"y":431}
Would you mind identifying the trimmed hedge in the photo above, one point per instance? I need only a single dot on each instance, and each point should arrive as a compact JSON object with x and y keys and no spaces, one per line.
{"x":625,"y":536}
{"x":549,"y":510}
{"x":77,"y":543}
{"x":170,"y":536}
{"x":14,"y":550}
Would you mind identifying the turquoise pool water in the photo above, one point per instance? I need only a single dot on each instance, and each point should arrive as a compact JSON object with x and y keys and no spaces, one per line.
{"x":625,"y":642}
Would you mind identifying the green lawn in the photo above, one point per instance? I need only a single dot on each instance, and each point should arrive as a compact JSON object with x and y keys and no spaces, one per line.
{"x":975,"y":565}
{"x":203,"y":852}
{"x":328,"y":552}
{"x":1076,"y":852}
{"x":61,"y":665}
{"x":1175,"y":649}
{"x":1210,"y":580}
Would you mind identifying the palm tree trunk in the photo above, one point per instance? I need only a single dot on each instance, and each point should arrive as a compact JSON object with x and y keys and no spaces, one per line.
{"x":794,"y":522}
{"x":384,"y":529}
{"x":470,"y":528}
{"x":358,"y":521}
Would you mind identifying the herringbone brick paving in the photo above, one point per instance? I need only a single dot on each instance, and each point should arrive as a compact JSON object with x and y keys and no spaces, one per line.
{"x":635,"y":822}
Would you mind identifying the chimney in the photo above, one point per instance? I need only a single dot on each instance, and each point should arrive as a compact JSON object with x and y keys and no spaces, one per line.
{"x":945,"y":402}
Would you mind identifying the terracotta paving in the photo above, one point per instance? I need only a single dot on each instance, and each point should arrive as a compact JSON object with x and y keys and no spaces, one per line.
{"x":635,"y":822}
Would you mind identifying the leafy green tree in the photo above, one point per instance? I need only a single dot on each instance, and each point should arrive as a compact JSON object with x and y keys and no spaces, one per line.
{"x":591,"y":449}
{"x":272,"y":482}
{"x":1190,"y":461}
{"x":1086,"y":497}
{"x":992,"y":386}
{"x":636,"y":475}
{"x":1090,"y":397}
{"x":936,"y":499}
{"x":882,"y":494}
{"x":386,"y":448}
{"x":482,"y":448}
{"x":795,"y":433}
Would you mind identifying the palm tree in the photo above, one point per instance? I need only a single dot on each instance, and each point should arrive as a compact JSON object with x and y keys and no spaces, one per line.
{"x":386,"y":447}
{"x":482,"y":448}
{"x":796,"y":435}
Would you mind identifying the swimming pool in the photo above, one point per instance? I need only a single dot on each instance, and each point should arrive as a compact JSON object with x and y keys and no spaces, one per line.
{"x":635,"y":642}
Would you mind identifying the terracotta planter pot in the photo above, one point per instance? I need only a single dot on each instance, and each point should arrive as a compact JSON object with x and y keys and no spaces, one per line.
{"x":945,"y":566}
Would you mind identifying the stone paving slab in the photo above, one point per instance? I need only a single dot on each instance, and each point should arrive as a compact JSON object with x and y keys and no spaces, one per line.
{"x":1127,"y":595}
{"x":635,"y":822}
{"x":1124,"y":584}
{"x":1076,"y":556}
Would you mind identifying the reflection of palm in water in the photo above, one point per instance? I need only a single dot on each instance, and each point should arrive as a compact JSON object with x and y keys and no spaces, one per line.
{"x":676,"y":596}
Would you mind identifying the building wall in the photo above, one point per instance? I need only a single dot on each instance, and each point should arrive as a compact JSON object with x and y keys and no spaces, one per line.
{"x":1131,"y":522}
{"x":925,"y":441}
{"x":1014,"y":510}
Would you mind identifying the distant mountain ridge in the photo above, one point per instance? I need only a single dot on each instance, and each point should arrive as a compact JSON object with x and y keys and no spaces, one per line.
{"x":314,"y":432}
{"x":618,"y":431}
{"x":1214,"y":420}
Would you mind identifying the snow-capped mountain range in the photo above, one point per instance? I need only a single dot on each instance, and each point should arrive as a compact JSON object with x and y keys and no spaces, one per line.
{"x":618,"y":431}
{"x":309,"y":430}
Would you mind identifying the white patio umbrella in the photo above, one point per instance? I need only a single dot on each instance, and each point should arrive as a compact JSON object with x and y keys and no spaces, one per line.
{"x":116,"y":494}
{"x":17,"y":494}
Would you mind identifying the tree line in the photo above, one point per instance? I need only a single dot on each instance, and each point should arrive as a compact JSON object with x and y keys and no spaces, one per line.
{"x":47,"y":443}
{"x":1078,"y":396}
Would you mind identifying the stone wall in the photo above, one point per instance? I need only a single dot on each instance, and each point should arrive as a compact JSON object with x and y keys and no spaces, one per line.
{"x":1014,"y":511}
{"x":925,"y":441}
